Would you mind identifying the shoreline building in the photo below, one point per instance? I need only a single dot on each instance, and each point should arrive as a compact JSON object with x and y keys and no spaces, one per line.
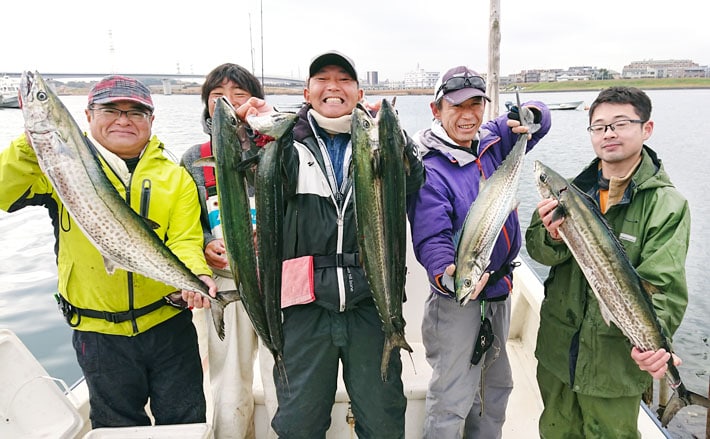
{"x":668,"y":68}
{"x":420,"y":79}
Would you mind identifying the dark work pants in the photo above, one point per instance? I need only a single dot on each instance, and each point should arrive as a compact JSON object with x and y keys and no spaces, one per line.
{"x":162,"y":364}
{"x":315,"y":341}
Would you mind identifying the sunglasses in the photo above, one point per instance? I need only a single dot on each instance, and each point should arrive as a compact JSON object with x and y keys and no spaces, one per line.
{"x":461,"y":82}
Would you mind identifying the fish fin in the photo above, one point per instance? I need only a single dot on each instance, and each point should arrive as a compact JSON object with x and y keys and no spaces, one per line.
{"x":669,"y":411}
{"x":696,"y":399}
{"x":649,"y":287}
{"x":375,"y":161}
{"x":394,"y":340}
{"x":606,"y":314}
{"x":217,"y":305}
{"x":281,"y":369}
{"x":110,"y":265}
{"x":245,"y":164}
{"x":205,"y":161}
{"x":152,"y":224}
{"x":558,"y":213}
{"x":457,"y":237}
{"x":516,"y":204}
{"x":677,"y":402}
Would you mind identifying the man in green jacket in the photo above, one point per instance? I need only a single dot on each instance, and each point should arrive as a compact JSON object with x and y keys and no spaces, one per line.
{"x":126,"y":358}
{"x":590,"y":377}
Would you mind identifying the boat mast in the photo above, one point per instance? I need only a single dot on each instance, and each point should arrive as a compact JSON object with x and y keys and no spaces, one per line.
{"x":251,"y":44}
{"x":493,"y":60}
{"x":261,"y":5}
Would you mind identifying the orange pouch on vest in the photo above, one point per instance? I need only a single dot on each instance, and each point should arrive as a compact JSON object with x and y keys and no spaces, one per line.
{"x":297,"y":281}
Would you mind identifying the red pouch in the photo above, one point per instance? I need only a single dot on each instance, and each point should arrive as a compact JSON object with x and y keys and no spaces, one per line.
{"x":297,"y":281}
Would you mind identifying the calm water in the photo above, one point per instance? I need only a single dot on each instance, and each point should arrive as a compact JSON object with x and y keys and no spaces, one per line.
{"x":28,"y":270}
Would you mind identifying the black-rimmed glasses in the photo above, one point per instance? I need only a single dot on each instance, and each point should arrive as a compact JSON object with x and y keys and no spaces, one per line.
{"x":110,"y":113}
{"x":460,"y":82}
{"x":620,"y":125}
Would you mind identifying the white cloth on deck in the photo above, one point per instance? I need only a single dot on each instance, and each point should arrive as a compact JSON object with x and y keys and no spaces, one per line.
{"x":228,"y":367}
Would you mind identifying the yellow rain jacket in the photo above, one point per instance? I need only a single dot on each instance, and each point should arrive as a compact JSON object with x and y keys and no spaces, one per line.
{"x":171,"y":202}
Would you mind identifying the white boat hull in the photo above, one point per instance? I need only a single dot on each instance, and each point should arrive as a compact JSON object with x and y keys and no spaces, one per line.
{"x":524,"y":407}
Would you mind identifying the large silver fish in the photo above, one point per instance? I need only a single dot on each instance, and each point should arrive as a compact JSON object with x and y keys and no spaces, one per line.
{"x":624,"y":297}
{"x":235,"y":213}
{"x":486,"y":216}
{"x":380,"y":212}
{"x":72,"y":164}
{"x":268,"y":183}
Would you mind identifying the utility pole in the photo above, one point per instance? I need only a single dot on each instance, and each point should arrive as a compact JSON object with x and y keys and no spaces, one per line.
{"x":251,"y":44}
{"x":111,"y":55}
{"x":493,"y":60}
{"x":262,"y":41}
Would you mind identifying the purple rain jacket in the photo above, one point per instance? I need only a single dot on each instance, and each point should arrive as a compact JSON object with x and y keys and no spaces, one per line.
{"x":438,"y":210}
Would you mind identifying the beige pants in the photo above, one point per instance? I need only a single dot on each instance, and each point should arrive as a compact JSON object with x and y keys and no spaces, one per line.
{"x":229,"y":369}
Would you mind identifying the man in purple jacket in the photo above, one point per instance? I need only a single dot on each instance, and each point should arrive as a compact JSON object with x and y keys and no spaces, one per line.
{"x":458,"y":152}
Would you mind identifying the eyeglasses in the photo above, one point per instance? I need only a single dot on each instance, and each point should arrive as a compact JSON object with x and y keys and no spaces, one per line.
{"x":113,"y":114}
{"x":460,"y":82}
{"x":620,"y":125}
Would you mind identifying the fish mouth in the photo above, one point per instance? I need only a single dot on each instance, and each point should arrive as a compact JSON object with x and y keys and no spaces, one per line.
{"x":26,"y":87}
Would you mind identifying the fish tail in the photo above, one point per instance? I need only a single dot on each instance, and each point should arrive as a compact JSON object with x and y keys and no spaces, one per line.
{"x":281,"y":368}
{"x":669,"y":411}
{"x":217,"y":306}
{"x":217,"y":309}
{"x":682,"y":397}
{"x":395,"y":340}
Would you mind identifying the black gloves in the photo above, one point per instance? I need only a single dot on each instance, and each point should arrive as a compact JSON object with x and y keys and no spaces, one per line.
{"x":515,"y":115}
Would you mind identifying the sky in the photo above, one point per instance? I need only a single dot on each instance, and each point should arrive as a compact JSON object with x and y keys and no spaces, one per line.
{"x":392,"y":37}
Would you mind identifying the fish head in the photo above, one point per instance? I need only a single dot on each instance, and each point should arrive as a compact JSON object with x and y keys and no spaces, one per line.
{"x":549,"y":183}
{"x":365,"y":137}
{"x":466,"y":278}
{"x":37,"y":102}
{"x":224,"y":116}
{"x":387,"y":110}
{"x":388,"y":122}
{"x":274,"y":124}
{"x":363,"y":126}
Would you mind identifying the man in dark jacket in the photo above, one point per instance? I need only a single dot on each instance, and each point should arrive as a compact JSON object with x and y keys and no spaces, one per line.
{"x":341,"y":323}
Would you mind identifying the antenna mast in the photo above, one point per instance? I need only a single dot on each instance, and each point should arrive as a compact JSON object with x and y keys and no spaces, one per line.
{"x":111,"y":55}
{"x":251,"y":44}
{"x":261,"y":3}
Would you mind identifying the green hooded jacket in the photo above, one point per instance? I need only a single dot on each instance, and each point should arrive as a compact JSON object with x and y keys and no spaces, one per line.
{"x":82,"y":277}
{"x":653,"y":223}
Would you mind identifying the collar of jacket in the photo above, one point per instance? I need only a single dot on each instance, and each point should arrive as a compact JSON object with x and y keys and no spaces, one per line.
{"x":303,"y":127}
{"x":648,"y":174}
{"x":436,"y":139}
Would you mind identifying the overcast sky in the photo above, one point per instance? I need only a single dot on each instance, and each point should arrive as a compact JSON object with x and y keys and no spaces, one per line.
{"x":389,"y":36}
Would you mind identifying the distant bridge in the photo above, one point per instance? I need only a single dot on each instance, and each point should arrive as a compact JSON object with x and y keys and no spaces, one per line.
{"x":166,"y":78}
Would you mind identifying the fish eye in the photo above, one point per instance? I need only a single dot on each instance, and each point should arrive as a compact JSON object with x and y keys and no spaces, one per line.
{"x":543,"y":178}
{"x":42,"y":96}
{"x":467,"y":283}
{"x":366,"y":124}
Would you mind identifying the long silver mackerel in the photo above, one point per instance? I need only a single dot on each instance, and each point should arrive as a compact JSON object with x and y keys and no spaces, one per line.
{"x":486,"y":216}
{"x":380,"y":211}
{"x":624,"y":297}
{"x":72,"y":165}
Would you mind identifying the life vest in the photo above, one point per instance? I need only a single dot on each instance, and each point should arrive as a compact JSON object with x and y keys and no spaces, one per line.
{"x":211,"y":201}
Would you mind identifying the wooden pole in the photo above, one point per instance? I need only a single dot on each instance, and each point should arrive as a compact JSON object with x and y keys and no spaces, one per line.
{"x":261,"y":5}
{"x":493,"y":60}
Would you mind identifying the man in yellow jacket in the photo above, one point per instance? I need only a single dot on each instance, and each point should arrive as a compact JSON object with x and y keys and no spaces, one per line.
{"x":130,"y":346}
